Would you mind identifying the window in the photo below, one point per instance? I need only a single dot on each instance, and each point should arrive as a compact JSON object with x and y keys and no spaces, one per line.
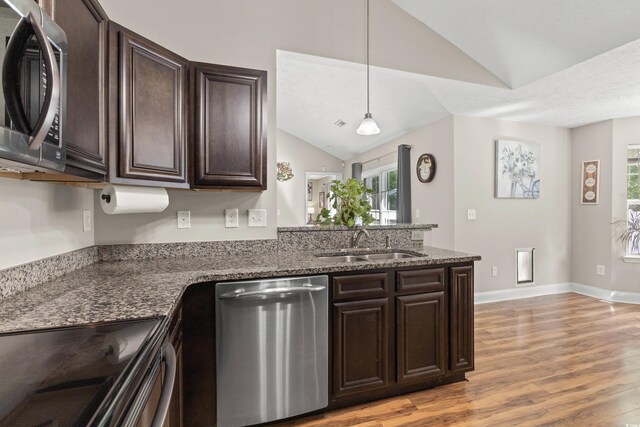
{"x":633,"y":198}
{"x":384,"y":200}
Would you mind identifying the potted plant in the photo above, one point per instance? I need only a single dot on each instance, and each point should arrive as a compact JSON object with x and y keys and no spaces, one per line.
{"x":630,"y":230}
{"x":350,"y":202}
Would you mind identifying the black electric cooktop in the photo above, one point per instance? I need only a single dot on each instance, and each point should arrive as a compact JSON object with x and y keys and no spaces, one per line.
{"x":62,"y":377}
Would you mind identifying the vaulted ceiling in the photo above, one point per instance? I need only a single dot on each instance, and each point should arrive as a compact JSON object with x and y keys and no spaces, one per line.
{"x":565,"y":63}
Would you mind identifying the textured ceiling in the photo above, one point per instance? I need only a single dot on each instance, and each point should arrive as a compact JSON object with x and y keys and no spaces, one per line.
{"x":521,"y":41}
{"x":315,"y":92}
{"x":604,"y":87}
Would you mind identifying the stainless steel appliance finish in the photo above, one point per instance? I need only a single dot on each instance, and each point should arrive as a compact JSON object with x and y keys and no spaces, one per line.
{"x":33,"y":102}
{"x":271,"y":349}
{"x":90,"y":375}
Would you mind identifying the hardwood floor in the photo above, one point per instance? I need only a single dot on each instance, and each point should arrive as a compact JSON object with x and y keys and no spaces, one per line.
{"x":559,"y":360}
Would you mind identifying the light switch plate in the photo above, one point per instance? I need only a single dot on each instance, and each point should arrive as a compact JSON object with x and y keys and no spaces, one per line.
{"x":471,"y":214}
{"x":417,"y":213}
{"x":257,"y":217}
{"x":231,"y":218}
{"x":184,"y":219}
{"x":417,"y":235}
{"x":86,"y":220}
{"x":494,"y":271}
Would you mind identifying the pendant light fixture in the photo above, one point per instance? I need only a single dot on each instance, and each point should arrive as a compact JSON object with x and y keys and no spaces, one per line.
{"x":368,"y":125}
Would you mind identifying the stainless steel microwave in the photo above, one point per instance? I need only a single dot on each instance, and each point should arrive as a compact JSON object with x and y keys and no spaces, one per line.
{"x":33,"y":52}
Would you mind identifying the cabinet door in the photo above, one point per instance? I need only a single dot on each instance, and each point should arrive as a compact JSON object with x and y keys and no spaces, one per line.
{"x":360,"y":346}
{"x":461,"y":319}
{"x":230,"y":149}
{"x":151,"y":108}
{"x":85,"y":24}
{"x":420,"y":335}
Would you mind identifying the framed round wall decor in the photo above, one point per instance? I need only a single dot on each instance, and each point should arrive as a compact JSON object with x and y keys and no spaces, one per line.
{"x":426,"y":168}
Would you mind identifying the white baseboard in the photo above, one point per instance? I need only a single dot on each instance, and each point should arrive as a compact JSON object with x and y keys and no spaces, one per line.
{"x":524,"y":292}
{"x":557,"y":288}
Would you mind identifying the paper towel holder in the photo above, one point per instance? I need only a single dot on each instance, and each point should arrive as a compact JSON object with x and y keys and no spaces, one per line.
{"x":106,"y":198}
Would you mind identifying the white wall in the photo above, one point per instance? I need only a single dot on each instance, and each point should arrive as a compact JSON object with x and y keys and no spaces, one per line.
{"x":304,"y":157}
{"x":503,"y":225}
{"x":38,"y":220}
{"x":591,"y":224}
{"x":434,"y":199}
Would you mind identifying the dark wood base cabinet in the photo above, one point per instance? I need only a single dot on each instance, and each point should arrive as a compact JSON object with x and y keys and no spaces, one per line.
{"x":397,"y":331}
{"x":360,"y":346}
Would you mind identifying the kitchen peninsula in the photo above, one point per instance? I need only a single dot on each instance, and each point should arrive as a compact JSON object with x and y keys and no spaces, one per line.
{"x":423,"y":305}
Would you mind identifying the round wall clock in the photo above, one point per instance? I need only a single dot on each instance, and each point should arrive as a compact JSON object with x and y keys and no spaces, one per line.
{"x":426,"y":168}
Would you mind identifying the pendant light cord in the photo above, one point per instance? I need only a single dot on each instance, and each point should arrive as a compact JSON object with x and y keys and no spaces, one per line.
{"x":368,"y":57}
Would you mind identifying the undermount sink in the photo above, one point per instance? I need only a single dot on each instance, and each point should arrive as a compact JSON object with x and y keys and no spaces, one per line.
{"x":342,"y":258}
{"x":366,"y":257}
{"x":389,"y":255}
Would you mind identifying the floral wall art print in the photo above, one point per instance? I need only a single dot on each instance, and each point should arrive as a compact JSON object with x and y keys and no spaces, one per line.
{"x":517,"y":169}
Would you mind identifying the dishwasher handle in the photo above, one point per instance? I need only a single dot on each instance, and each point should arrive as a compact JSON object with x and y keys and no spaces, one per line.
{"x":270,"y":292}
{"x":167,"y":386}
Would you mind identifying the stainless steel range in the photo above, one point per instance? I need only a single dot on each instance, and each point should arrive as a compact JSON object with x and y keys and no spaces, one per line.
{"x":91,"y":375}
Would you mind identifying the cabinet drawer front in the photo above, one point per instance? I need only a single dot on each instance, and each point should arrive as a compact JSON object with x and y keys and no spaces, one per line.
{"x":360,"y":349}
{"x":426,"y":280}
{"x":420,"y":335}
{"x":360,"y":286}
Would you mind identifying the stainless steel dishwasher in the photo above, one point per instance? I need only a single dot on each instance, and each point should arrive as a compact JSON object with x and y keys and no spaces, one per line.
{"x":271,"y":349}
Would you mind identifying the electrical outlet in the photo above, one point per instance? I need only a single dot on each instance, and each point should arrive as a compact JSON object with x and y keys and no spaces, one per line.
{"x":184,"y":219}
{"x":417,"y":213}
{"x":417,"y":235}
{"x":600,"y":270}
{"x":471,"y":214}
{"x":86,"y":220}
{"x":257,"y":217}
{"x":231,"y":218}
{"x":494,"y":271}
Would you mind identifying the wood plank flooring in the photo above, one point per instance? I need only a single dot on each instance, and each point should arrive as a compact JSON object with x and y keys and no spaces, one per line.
{"x":559,"y":360}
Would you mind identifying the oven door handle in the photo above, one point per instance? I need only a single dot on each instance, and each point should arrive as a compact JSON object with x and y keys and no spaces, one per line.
{"x":168,"y":381}
{"x":11,"y":78}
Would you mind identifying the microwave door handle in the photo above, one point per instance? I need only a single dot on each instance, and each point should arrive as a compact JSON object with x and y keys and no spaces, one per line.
{"x":11,"y":75}
{"x":11,"y":81}
{"x":167,"y":386}
{"x":52,"y":94}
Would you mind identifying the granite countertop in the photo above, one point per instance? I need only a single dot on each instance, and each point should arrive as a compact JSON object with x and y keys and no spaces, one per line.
{"x":122,"y":290}
{"x":316,"y":227}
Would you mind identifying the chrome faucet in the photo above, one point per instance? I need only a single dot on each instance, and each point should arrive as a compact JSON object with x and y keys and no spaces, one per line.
{"x":357,"y":235}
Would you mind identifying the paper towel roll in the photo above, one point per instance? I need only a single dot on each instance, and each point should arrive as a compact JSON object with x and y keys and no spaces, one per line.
{"x":122,"y":199}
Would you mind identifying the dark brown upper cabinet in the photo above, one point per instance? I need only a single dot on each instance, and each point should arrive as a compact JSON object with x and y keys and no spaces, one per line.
{"x":85,"y":24}
{"x":230,"y":134}
{"x":148,"y":96}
